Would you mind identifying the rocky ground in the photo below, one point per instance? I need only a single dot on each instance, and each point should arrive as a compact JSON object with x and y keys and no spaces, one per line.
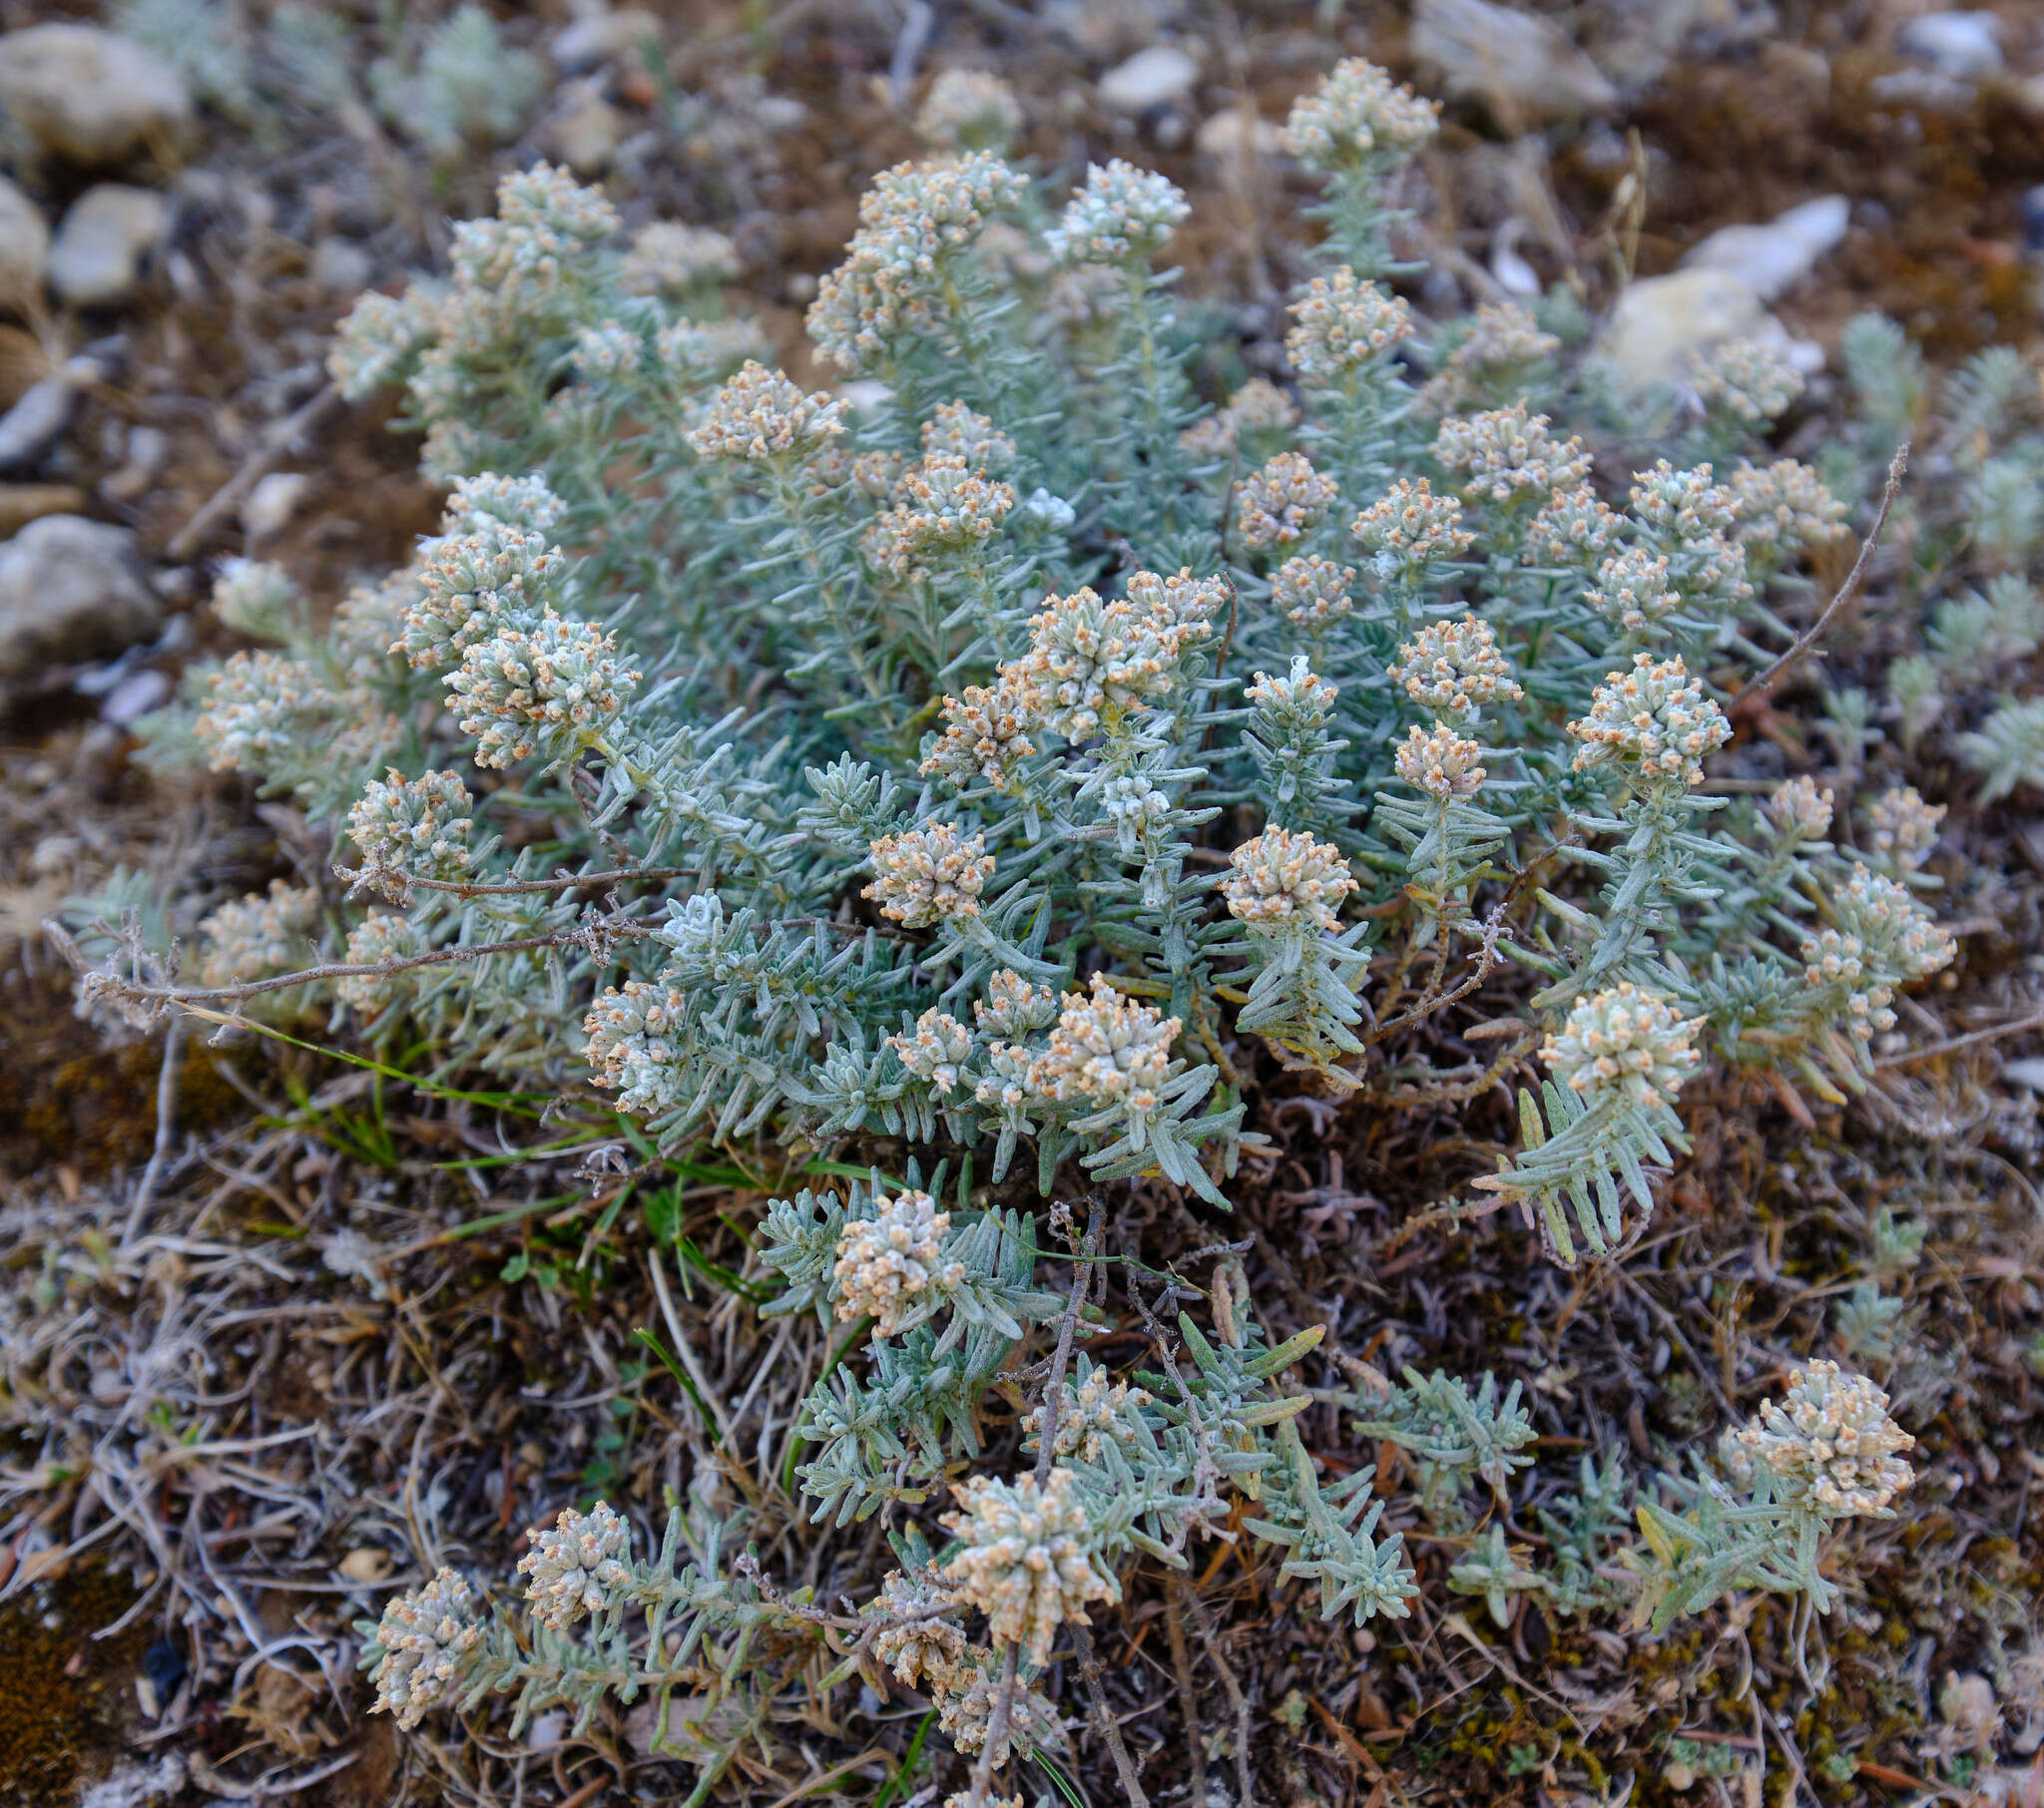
{"x":194,"y":193}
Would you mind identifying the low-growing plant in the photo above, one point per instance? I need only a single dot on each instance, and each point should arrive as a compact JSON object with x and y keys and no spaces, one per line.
{"x":998,"y":768}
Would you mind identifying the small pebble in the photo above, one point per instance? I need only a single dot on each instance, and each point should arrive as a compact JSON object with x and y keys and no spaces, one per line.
{"x":2033,"y":217}
{"x":89,"y":95}
{"x":1523,"y":65}
{"x":1224,"y":137}
{"x":33,"y":423}
{"x":272,"y":504}
{"x":134,"y":697}
{"x":111,"y":231}
{"x":148,"y":449}
{"x":341,"y":268}
{"x":1151,"y":78}
{"x":71,"y":590}
{"x":366,"y":1564}
{"x":1965,"y":45}
{"x":604,"y":35}
{"x":586,"y":130}
{"x":55,"y":854}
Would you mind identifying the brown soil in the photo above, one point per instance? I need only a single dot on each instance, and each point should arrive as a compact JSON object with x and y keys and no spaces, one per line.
{"x":67,"y":1699}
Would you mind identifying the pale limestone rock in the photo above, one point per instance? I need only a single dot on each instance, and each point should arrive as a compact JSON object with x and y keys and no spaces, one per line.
{"x":70,"y":591}
{"x":89,"y":95}
{"x":1521,"y":64}
{"x":1657,"y":325}
{"x":1154,"y":77}
{"x":103,"y":242}
{"x":1771,"y":259}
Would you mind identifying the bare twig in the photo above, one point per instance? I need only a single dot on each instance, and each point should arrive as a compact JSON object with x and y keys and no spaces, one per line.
{"x":1189,"y":1695}
{"x":374,"y":874}
{"x":1244,"y":1788}
{"x":1430,"y":1001}
{"x":107,"y":984}
{"x":1104,"y":1725}
{"x":1766,"y":680}
{"x":1909,"y":1057}
{"x":166,"y":1131}
{"x":272,"y":446}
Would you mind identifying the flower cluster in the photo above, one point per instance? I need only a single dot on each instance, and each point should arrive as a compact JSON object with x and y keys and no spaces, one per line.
{"x":380,"y":338}
{"x":885,"y":1261}
{"x":1902,"y":827}
{"x":916,"y":1640}
{"x":985,"y":735}
{"x":965,"y":1710}
{"x":669,"y":258}
{"x":577,"y":1565}
{"x":259,"y":936}
{"x":1800,"y":807}
{"x":1285,"y":878}
{"x":1454,"y":669}
{"x":1408,"y":529}
{"x":1682,"y":504}
{"x":969,"y":109}
{"x":484,"y":573}
{"x":1781,"y":508}
{"x":631,"y":1047}
{"x":1655,"y":716}
{"x":1358,"y":114}
{"x":937,"y":1050}
{"x":511,"y":502}
{"x":1090,"y":663}
{"x":255,"y":598}
{"x":1342,"y":325}
{"x":1440,"y":762}
{"x":1025,"y":1563}
{"x":1829,"y":1441}
{"x":548,"y":691}
{"x":945,"y":507}
{"x":413,"y":827}
{"x":1120,"y":213}
{"x":1298,"y":694}
{"x":375,"y":942}
{"x":929,"y":875}
{"x":1752,"y":380}
{"x":424,"y":1649}
{"x":1575,"y":528}
{"x":915,"y":219}
{"x":956,"y":431}
{"x":607,"y":351}
{"x":1834,"y":957}
{"x":1283,"y":502}
{"x":1631,"y":590}
{"x":1506,"y":455}
{"x":1013,"y":1006}
{"x":1104,"y":1049}
{"x":1623,"y":1044}
{"x":1887,"y":916}
{"x":1502,"y":349}
{"x":1255,"y":413}
{"x":1095,"y":1412}
{"x":759,"y":414}
{"x":262,"y":711}
{"x":1312,"y":592}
